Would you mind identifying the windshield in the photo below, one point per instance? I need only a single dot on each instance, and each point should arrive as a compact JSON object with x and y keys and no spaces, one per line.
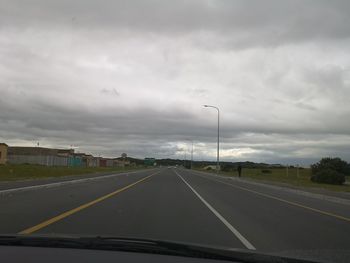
{"x":216,"y":123}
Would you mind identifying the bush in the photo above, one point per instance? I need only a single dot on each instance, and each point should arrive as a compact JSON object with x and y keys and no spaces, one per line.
{"x":329,"y":171}
{"x":328,"y":176}
{"x":335,"y":164}
{"x":265,"y":171}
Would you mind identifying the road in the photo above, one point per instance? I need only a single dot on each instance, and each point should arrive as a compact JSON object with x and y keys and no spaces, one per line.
{"x":179,"y":205}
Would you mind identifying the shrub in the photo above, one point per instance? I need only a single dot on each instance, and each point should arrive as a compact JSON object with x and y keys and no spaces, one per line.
{"x":335,"y":164}
{"x":266,"y":171}
{"x":328,"y":176}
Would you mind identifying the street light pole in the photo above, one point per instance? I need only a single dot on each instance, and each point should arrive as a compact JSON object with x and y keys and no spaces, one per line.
{"x":191,"y":164}
{"x":218,"y":144}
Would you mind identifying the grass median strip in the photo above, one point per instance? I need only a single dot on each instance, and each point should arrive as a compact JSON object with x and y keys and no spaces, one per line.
{"x":283,"y":200}
{"x":77,"y":209}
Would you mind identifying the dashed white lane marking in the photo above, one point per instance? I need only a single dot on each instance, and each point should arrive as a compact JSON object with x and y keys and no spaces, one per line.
{"x":245,"y":242}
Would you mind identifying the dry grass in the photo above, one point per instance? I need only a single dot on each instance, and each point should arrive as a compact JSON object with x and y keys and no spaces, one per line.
{"x":279,"y":176}
{"x":15,"y":172}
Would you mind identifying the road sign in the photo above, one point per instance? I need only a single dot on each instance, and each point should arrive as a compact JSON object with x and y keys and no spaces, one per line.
{"x":149,"y":161}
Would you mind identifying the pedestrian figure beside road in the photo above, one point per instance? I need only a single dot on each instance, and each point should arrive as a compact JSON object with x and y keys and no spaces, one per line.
{"x":239,"y":170}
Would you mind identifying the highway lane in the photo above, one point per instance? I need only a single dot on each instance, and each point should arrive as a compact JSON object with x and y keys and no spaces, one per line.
{"x":161,"y":208}
{"x":22,"y":209}
{"x":331,"y":204}
{"x":180,"y":205}
{"x":273,"y":224}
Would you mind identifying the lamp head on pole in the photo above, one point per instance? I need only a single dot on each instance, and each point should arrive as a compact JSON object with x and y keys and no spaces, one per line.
{"x":211,"y":106}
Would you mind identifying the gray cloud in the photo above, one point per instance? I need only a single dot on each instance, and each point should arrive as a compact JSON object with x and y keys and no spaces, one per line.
{"x":132,"y":76}
{"x":111,"y":91}
{"x":267,"y":22}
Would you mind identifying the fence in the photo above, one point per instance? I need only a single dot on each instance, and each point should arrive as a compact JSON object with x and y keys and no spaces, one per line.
{"x":52,"y":160}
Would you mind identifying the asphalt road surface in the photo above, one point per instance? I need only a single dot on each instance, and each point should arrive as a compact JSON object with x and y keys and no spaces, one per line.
{"x":179,"y":205}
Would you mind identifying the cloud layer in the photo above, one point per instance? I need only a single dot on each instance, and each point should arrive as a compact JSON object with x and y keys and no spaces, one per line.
{"x":121,"y":76}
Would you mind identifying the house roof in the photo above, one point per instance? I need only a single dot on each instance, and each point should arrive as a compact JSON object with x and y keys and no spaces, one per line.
{"x":66,"y":151}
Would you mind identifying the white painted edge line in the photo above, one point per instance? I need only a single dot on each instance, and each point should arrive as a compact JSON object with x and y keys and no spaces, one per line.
{"x":57,"y":184}
{"x":328,"y":198}
{"x":221,"y":218}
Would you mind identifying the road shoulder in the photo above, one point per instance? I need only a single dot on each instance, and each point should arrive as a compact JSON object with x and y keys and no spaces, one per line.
{"x":321,"y":194}
{"x":62,"y":179}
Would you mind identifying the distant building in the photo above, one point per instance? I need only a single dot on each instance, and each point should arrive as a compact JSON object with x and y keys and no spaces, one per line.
{"x":103,"y":162}
{"x":55,"y":157}
{"x":3,"y":153}
{"x":87,"y":160}
{"x":96,"y":161}
{"x":38,"y":155}
{"x":19,"y":150}
{"x":106,"y":162}
{"x":121,"y":162}
{"x":65,"y":152}
{"x":109,"y":162}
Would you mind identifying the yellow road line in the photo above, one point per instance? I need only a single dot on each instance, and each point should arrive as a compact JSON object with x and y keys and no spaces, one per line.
{"x":75,"y":210}
{"x":283,"y":200}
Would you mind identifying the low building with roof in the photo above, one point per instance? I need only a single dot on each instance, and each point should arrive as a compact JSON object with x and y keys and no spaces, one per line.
{"x":36,"y":155}
{"x":3,"y":153}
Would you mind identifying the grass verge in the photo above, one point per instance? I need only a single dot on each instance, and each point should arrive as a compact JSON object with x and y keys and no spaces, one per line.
{"x":18,"y":172}
{"x":279,"y":176}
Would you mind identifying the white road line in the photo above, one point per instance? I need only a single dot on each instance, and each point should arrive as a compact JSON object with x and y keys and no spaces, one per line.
{"x":222,"y":219}
{"x":57,"y":184}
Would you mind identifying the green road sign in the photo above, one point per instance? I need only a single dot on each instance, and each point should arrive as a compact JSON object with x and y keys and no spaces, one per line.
{"x":149,"y":161}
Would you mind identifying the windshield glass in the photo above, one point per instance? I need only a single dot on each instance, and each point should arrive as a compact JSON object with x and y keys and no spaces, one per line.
{"x":210,"y":122}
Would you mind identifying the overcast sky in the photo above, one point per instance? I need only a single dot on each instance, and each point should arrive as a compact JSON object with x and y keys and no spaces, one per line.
{"x":131,"y":76}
